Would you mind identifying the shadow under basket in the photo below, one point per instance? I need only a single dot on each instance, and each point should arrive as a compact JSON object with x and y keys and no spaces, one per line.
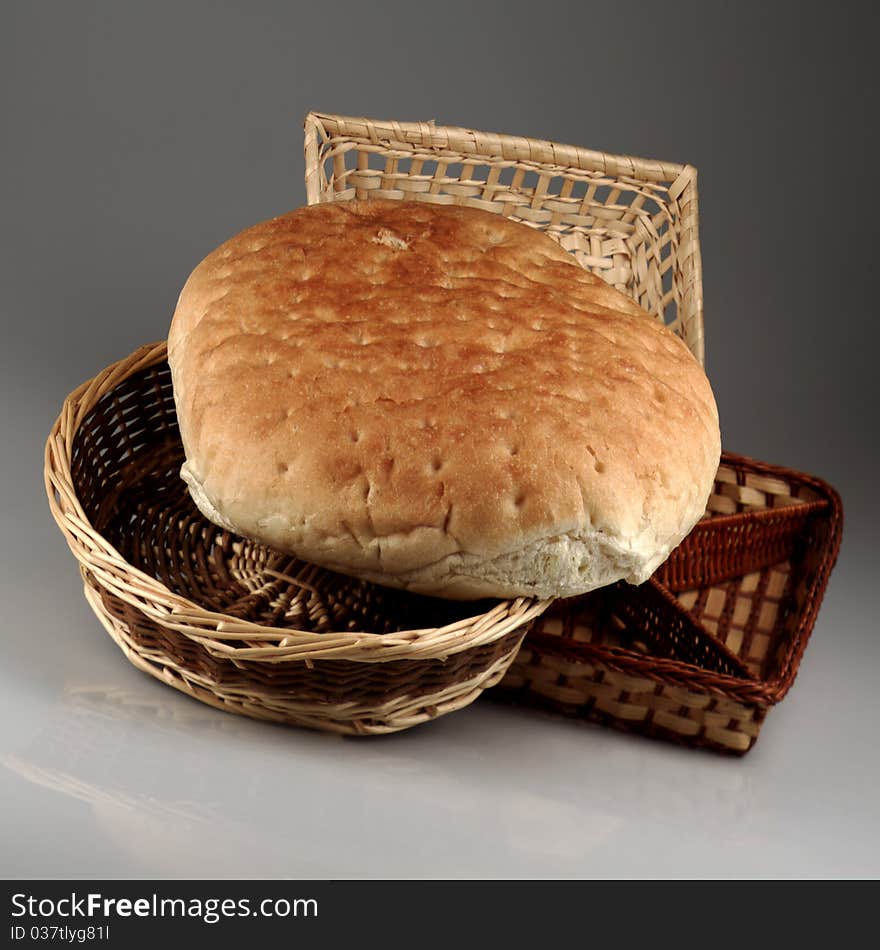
{"x":700,"y":652}
{"x":231,"y":622}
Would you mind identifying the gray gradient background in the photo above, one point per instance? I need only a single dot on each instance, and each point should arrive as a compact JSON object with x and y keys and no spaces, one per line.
{"x":137,"y":137}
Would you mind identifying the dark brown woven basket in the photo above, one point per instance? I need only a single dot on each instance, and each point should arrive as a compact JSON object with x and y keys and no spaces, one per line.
{"x":700,"y":652}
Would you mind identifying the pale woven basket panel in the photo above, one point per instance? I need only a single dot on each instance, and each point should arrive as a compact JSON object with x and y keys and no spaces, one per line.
{"x":635,"y":700}
{"x":631,"y":221}
{"x":734,"y":493}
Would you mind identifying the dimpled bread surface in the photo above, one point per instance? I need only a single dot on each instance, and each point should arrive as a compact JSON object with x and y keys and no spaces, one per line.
{"x":437,"y":398}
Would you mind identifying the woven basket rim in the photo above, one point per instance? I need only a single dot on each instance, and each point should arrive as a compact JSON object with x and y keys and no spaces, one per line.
{"x":498,"y":145}
{"x":213,"y":628}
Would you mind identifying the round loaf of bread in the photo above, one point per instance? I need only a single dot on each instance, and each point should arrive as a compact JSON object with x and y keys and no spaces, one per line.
{"x":439,"y":399}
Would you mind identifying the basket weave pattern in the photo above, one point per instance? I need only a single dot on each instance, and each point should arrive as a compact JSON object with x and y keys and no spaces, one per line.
{"x":700,"y":652}
{"x":631,"y":221}
{"x":230,"y":621}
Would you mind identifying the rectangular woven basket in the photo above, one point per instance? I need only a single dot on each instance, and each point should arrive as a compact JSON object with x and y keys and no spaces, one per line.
{"x":703,"y":650}
{"x":630,"y":220}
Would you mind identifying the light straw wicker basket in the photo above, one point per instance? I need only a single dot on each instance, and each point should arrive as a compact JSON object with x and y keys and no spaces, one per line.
{"x":632,"y":221}
{"x":231,"y":622}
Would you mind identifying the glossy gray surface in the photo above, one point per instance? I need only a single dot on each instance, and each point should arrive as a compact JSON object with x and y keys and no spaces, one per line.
{"x":136,"y":139}
{"x":106,"y":772}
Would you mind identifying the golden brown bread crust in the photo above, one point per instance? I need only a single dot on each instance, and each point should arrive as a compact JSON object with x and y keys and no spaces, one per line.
{"x":439,"y":398}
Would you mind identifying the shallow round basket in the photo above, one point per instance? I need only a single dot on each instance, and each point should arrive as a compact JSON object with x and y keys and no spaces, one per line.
{"x":229,"y":621}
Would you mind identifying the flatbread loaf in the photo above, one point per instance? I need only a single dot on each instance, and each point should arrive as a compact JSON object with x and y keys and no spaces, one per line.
{"x":437,"y":398}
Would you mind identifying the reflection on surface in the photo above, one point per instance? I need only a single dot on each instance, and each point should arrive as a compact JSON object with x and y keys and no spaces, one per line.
{"x":184,"y":790}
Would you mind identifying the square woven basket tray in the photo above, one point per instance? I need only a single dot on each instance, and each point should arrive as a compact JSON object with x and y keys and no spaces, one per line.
{"x":700,"y":652}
